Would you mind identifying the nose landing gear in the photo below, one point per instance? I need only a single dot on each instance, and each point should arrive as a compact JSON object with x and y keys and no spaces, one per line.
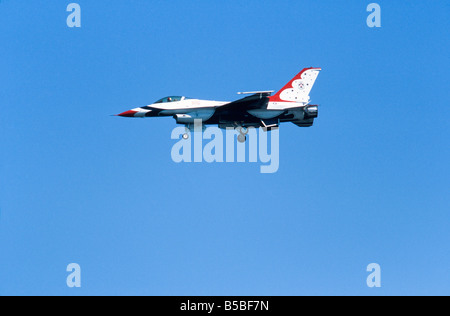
{"x":187,"y":132}
{"x":189,"y":128}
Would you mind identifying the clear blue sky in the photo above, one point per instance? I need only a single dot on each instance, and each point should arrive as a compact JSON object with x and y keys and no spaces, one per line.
{"x":368,"y":183}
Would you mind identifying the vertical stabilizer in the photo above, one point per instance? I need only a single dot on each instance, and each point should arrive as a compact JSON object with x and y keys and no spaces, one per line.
{"x":298,"y":89}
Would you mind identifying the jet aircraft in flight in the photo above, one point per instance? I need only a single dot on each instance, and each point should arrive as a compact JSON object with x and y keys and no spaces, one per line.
{"x":258,"y":109}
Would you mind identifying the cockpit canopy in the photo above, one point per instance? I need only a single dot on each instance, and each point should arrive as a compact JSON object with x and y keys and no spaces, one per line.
{"x":171,"y":99}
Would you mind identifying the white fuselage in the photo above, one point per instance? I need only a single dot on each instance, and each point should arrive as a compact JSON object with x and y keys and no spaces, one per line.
{"x":184,"y":106}
{"x":204,"y":109}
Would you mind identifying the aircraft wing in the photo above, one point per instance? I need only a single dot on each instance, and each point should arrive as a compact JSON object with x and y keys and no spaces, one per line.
{"x":255,"y":101}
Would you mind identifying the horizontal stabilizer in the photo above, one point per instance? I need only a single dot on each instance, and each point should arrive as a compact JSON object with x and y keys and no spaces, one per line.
{"x":304,"y":123}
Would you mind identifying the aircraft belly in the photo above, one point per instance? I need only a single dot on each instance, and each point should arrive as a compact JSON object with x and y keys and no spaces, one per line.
{"x":265,"y":114}
{"x":194,"y":112}
{"x":188,"y":117}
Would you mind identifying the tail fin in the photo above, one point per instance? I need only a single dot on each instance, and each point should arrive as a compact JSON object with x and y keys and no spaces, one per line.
{"x":298,"y":89}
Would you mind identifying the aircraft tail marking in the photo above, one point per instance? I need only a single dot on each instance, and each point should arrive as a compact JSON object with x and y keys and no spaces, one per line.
{"x":298,"y":89}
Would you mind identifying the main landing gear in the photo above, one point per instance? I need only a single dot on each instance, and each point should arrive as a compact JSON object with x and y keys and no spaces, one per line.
{"x":243,"y":131}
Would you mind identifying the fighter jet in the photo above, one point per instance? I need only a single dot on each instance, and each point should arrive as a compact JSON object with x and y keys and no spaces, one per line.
{"x":258,"y":109}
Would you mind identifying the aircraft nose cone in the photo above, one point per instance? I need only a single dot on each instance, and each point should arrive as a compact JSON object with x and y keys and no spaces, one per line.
{"x":128,"y":114}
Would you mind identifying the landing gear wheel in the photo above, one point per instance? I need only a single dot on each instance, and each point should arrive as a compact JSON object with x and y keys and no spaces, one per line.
{"x":242,"y":138}
{"x":185,"y":136}
{"x":243,"y":130}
